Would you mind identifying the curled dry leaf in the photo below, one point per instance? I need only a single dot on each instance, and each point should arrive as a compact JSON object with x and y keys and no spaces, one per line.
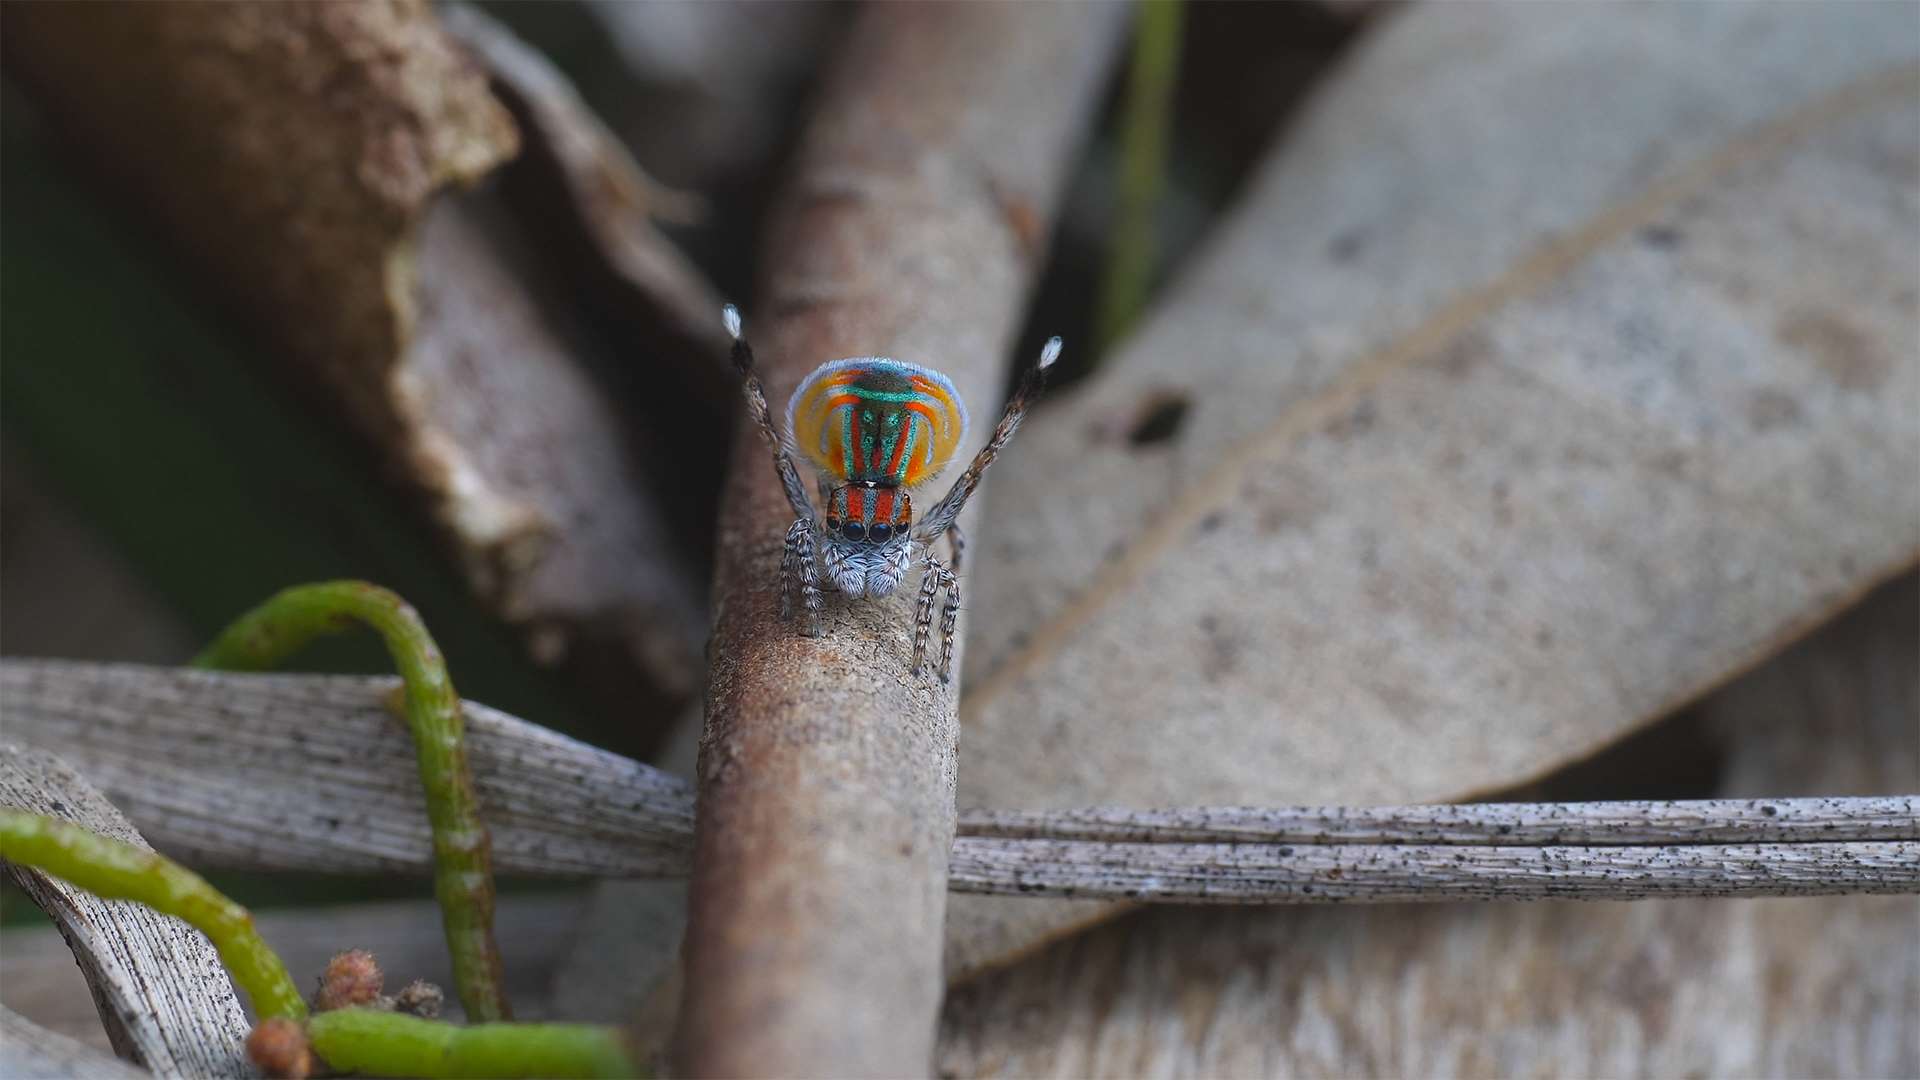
{"x":653,"y":287}
{"x":158,"y":984}
{"x":300,"y":154}
{"x":1559,"y":367}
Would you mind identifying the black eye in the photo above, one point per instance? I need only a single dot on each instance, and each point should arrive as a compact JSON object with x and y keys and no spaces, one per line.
{"x":854,"y":531}
{"x":880,"y":533}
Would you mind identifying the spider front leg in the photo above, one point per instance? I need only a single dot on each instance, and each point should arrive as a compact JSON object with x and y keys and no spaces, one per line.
{"x":762,"y":417}
{"x":957,"y":541}
{"x":800,"y":572}
{"x":944,"y":513}
{"x":936,"y":577}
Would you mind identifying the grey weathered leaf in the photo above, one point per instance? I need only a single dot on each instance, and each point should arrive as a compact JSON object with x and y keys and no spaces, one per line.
{"x":27,"y":1049}
{"x":316,"y":773}
{"x":157,"y":983}
{"x":1560,"y":365}
{"x":1800,"y":987}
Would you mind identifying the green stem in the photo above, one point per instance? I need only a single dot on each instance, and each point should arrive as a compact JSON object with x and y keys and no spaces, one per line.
{"x":393,"y":1044}
{"x":1148,"y":117}
{"x":117,"y":871}
{"x":462,"y":851}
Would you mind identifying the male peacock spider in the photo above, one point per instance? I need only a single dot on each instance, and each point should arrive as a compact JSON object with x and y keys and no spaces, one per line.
{"x":873,"y":427}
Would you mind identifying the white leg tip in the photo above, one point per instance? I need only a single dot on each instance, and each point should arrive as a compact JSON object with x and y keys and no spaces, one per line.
{"x":730,"y":315}
{"x":1048,"y":353}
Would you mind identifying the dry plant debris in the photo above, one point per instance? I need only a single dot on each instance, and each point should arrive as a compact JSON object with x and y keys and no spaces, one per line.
{"x":1501,"y":442}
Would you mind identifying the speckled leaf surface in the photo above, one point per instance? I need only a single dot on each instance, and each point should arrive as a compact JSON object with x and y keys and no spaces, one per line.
{"x":1779,"y":987}
{"x":1562,"y":363}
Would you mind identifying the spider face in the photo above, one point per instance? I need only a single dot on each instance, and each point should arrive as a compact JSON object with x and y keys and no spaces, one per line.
{"x":868,"y":512}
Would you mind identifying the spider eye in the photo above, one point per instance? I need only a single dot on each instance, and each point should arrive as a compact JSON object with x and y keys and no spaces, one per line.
{"x":854,"y":531}
{"x":880,"y":533}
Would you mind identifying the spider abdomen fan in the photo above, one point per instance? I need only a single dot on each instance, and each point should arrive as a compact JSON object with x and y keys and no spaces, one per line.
{"x":875,"y":421}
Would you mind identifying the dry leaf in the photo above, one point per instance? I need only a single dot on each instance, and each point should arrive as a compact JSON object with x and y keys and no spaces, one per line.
{"x":27,"y":1049}
{"x":1560,"y":366}
{"x":300,"y":156}
{"x":157,"y":983}
{"x":1665,"y":988}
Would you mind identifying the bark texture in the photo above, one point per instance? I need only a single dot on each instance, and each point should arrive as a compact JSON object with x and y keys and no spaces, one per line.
{"x":827,"y":770}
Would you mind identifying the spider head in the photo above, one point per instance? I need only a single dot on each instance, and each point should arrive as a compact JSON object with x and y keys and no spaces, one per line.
{"x":865,"y":512}
{"x":868,"y":528}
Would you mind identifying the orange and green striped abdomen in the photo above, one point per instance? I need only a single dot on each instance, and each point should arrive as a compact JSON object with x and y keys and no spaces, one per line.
{"x":878,"y":421}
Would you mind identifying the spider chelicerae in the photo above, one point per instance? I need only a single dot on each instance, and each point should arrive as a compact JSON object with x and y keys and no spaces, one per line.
{"x":874,"y":428}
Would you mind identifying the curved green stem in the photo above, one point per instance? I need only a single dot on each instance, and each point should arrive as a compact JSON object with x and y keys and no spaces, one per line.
{"x":393,"y":1044}
{"x":117,"y":871}
{"x":462,"y":851}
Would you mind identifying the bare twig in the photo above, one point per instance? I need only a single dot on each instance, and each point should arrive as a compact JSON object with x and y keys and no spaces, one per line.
{"x":827,"y":771}
{"x":157,"y":984}
{"x":1379,"y":873}
{"x":1701,"y":821}
{"x":463,"y":871}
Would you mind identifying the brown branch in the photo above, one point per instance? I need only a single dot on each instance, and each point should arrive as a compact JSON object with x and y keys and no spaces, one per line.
{"x":827,"y":771}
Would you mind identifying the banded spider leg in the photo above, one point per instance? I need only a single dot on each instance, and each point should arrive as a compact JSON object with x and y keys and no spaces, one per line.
{"x":799,"y":569}
{"x":942,"y":519}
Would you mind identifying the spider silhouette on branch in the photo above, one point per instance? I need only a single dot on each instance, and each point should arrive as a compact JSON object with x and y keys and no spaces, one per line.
{"x":874,"y":428}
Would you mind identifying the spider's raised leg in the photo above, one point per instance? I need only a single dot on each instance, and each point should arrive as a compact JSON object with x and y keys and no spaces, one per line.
{"x":799,"y":570}
{"x":941,"y":518}
{"x":956,"y":540}
{"x":762,"y":416}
